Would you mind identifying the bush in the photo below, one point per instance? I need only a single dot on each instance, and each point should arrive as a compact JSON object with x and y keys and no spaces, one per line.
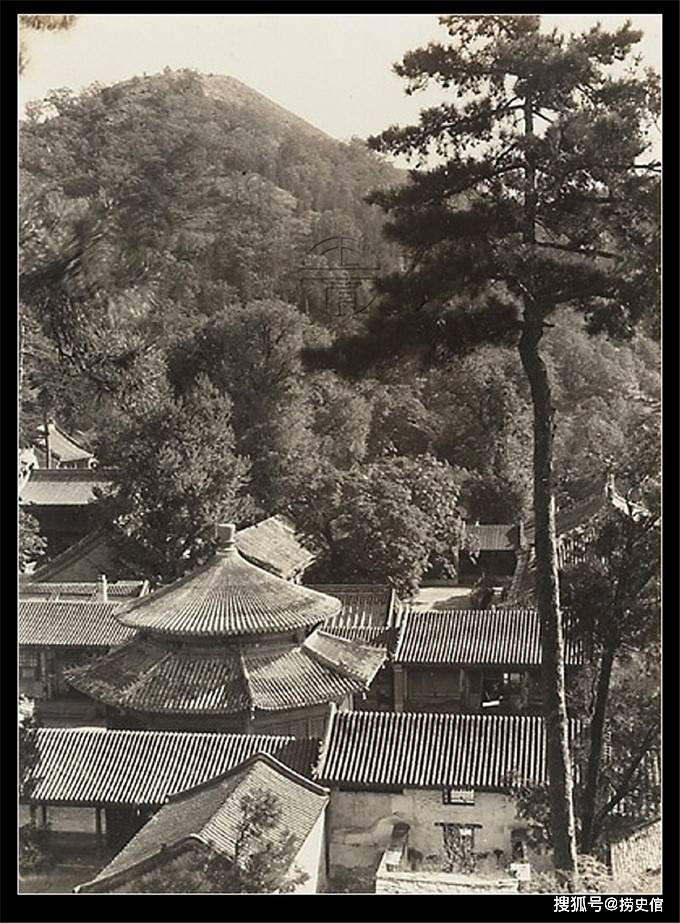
{"x":35,"y":854}
{"x":595,"y":878}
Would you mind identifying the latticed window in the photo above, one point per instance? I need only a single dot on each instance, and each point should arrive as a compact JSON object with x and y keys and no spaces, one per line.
{"x":29,"y":663}
{"x":459,"y":847}
{"x":458,"y":796}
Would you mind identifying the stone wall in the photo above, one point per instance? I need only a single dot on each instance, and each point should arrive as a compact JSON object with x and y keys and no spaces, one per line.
{"x":441,"y":883}
{"x":637,"y":853}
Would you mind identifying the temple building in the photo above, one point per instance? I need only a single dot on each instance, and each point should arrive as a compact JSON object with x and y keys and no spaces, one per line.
{"x":492,"y":551}
{"x":229,"y":647}
{"x":472,"y":660}
{"x":55,"y":448}
{"x":63,"y":502}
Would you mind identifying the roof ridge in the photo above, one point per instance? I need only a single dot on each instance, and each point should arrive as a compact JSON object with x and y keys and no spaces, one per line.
{"x":247,"y":764}
{"x":317,"y":768}
{"x":66,"y":555}
{"x":72,"y":474}
{"x":51,"y":601}
{"x":139,"y":732}
{"x":246,"y":680}
{"x":141,"y":678}
{"x":446,"y":716}
{"x":120,"y":876}
{"x":339,"y":664}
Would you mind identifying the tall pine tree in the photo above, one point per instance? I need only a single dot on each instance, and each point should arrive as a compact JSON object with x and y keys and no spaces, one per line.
{"x":540,"y":197}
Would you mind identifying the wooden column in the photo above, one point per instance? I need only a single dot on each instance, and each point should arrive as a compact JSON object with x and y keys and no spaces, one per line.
{"x":98,"y":826}
{"x":399,"y":687}
{"x":46,"y":682}
{"x":43,"y":815}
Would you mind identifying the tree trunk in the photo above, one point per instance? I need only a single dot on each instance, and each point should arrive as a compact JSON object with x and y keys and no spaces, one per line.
{"x":46,"y":428}
{"x":595,"y":751}
{"x":547,"y":591}
{"x":22,"y":337}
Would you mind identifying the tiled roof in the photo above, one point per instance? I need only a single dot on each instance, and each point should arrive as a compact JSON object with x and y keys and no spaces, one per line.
{"x":572,"y":517}
{"x":62,"y":446}
{"x":570,"y":549}
{"x":376,"y":637}
{"x":358,"y":661}
{"x":63,"y":486}
{"x":430,"y":750}
{"x":89,"y":766}
{"x":363,"y":605}
{"x":45,"y":623}
{"x":370,"y":613}
{"x":522,"y":589}
{"x":475,"y":636}
{"x":229,"y":596}
{"x":148,"y":676}
{"x":575,"y":529}
{"x":93,"y":548}
{"x":293,"y":679}
{"x":121,"y":589}
{"x":493,"y":537}
{"x":213,"y":815}
{"x":571,"y":530}
{"x":274,"y":545}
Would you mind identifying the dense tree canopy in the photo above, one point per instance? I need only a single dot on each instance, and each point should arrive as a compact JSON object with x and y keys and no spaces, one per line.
{"x":388,"y":521}
{"x":161,"y":199}
{"x":612,"y":588}
{"x":164,"y":222}
{"x":176,"y":476}
{"x":32,"y":543}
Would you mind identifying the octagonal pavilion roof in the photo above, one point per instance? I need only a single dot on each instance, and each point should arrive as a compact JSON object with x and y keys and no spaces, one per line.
{"x":228,"y":596}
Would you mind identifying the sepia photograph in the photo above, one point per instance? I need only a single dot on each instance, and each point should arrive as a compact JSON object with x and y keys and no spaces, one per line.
{"x":339,"y":456}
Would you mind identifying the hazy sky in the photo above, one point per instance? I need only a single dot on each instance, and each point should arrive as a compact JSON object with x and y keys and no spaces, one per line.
{"x":334,"y":70}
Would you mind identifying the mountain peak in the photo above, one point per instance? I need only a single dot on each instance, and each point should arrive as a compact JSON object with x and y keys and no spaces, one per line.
{"x":223,"y":88}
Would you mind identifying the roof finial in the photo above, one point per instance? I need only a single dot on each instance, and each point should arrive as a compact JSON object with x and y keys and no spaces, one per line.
{"x":226,"y":536}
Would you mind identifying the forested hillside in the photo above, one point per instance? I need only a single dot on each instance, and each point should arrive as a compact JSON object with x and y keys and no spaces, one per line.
{"x":165,"y":226}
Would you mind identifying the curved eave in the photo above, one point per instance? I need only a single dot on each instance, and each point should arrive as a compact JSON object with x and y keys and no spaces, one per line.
{"x":254,"y":631}
{"x":143,"y":676}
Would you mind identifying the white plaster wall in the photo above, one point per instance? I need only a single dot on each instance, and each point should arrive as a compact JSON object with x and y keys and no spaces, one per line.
{"x":311,"y":858}
{"x":360,"y":823}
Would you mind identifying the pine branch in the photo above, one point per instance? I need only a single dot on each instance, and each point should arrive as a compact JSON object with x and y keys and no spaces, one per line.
{"x":567,"y":248}
{"x":623,"y":787}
